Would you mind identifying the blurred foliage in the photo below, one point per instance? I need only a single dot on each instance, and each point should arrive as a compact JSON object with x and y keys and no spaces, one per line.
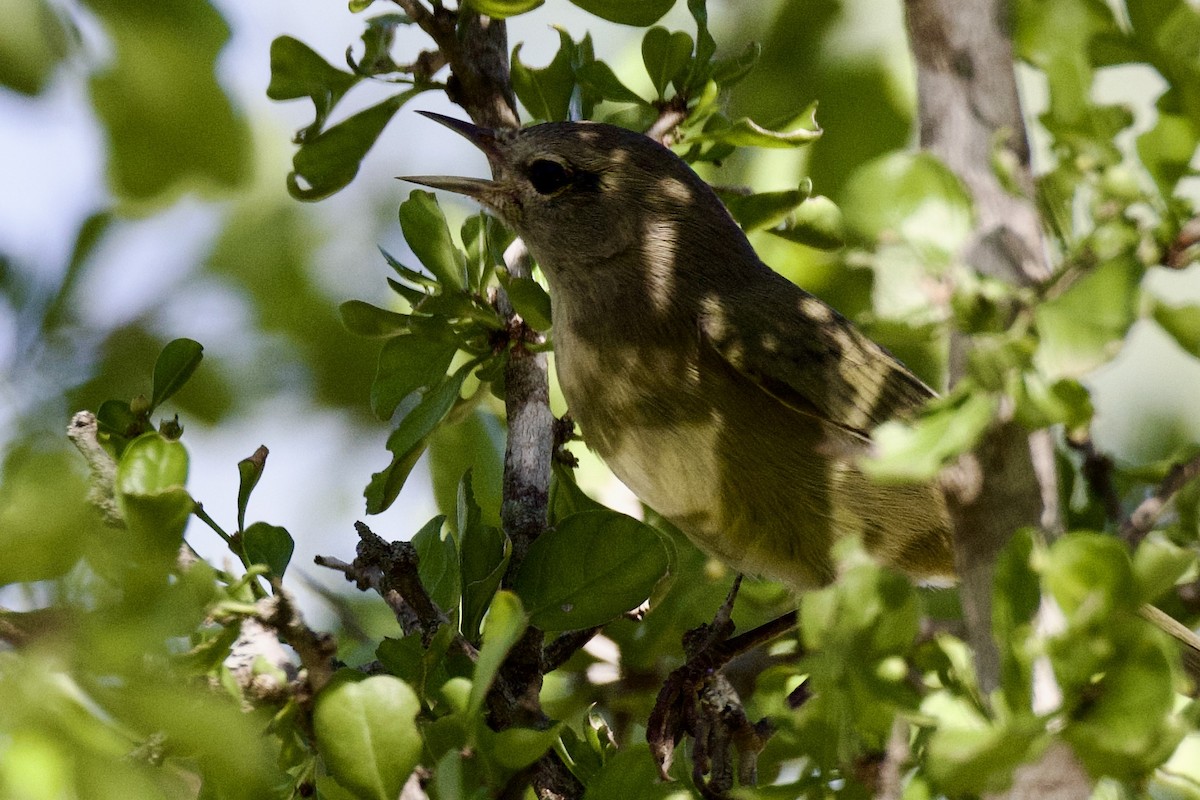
{"x":122,"y":670}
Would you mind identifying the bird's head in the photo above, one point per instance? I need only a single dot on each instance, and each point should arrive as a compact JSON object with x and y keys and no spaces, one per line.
{"x":578,"y":192}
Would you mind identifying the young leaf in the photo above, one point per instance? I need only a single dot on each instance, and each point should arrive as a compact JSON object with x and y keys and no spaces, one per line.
{"x":438,"y":564}
{"x":505,"y":623}
{"x":365,"y":319}
{"x":297,"y":71}
{"x":408,"y":363}
{"x":150,"y":491}
{"x":599,"y":78}
{"x":531,"y":301}
{"x":589,"y":569}
{"x":1085,"y":326}
{"x":483,"y":556}
{"x":747,"y":133}
{"x":249,"y":471}
{"x":412,"y":433}
{"x":270,"y":545}
{"x":327,"y":162}
{"x":915,"y":451}
{"x":665,"y":55}
{"x":366,"y":732}
{"x":427,"y":234}
{"x":765,"y":209}
{"x":116,"y":417}
{"x":546,"y":92}
{"x":175,"y":364}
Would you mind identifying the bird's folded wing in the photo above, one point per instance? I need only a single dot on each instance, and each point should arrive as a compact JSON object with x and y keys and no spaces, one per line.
{"x":813,"y":359}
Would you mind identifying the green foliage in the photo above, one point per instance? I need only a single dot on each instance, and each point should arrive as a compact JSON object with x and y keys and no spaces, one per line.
{"x":624,"y":558}
{"x":367,"y":731}
{"x":168,"y":122}
{"x":123,"y":677}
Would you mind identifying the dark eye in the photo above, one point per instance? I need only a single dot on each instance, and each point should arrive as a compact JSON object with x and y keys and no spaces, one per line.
{"x":548,"y":176}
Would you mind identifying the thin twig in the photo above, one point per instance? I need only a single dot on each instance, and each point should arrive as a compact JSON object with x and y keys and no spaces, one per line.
{"x":316,"y":650}
{"x":1142,"y":520}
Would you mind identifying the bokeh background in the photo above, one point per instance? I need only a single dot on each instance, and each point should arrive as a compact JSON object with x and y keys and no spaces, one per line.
{"x":142,"y":198}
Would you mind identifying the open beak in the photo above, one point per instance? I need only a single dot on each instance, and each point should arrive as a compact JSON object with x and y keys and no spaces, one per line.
{"x":483,"y":138}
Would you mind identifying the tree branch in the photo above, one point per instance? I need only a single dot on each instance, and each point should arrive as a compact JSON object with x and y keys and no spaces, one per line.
{"x":968,"y":106}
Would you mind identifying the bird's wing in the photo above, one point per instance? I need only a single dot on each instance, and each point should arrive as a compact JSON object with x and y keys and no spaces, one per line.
{"x":810,"y":357}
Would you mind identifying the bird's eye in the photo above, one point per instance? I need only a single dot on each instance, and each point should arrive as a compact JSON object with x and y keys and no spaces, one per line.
{"x":548,"y":176}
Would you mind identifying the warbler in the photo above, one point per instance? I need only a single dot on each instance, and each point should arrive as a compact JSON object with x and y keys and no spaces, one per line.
{"x":725,"y":397}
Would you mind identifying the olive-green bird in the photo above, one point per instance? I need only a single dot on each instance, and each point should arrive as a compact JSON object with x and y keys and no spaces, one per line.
{"x":728,"y":399}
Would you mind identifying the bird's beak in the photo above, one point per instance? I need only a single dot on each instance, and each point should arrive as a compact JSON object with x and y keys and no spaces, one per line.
{"x":485,"y":139}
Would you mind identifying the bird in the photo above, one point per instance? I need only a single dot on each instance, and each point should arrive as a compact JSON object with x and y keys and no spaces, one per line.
{"x":728,"y":399}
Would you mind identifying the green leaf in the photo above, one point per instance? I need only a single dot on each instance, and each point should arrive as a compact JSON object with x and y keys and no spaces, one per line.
{"x":666,"y":56}
{"x":530,"y":301}
{"x":1158,"y":564}
{"x":589,"y":569}
{"x":911,"y":197}
{"x":1182,"y":323}
{"x":428,"y":235}
{"x":503,"y":626}
{"x":747,"y":133}
{"x":517,"y":748}
{"x":599,"y":78}
{"x":327,"y":162}
{"x":917,"y":451}
{"x":1166,"y":150}
{"x":169,"y":124}
{"x":366,"y":732}
{"x":150,"y":490}
{"x":152,"y":464}
{"x":765,"y":209}
{"x":297,"y":71}
{"x":1124,"y":727}
{"x":702,"y":68}
{"x":817,"y":223}
{"x":1086,"y":325}
{"x":437,"y":564}
{"x":412,"y":433}
{"x":1016,"y":596}
{"x":968,"y":760}
{"x":116,"y":417}
{"x":174,"y":366}
{"x":270,"y":545}
{"x":503,"y":9}
{"x":249,"y":471}
{"x":546,"y":92}
{"x":33,"y":41}
{"x":408,"y":363}
{"x":566,"y":498}
{"x":484,"y":552}
{"x":378,"y":38}
{"x":630,"y":773}
{"x":1090,"y":571}
{"x":639,"y":13}
{"x":1041,"y":403}
{"x":365,"y":319}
